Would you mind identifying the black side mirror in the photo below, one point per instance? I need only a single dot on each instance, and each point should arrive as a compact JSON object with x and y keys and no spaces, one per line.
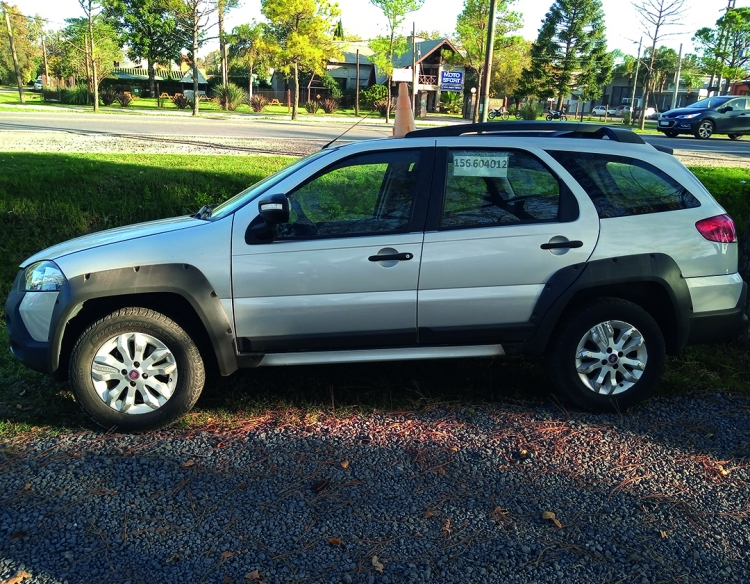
{"x":725,"y":109}
{"x":274,"y":209}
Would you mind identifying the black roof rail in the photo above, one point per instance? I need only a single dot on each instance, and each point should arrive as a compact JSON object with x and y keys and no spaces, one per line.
{"x":533,"y":128}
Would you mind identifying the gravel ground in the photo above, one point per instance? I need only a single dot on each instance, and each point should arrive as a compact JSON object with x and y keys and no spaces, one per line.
{"x":444,"y":495}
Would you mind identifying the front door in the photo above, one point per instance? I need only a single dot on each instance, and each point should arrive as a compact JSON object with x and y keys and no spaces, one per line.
{"x":737,"y":121}
{"x":343,"y":272}
{"x":501,"y":223}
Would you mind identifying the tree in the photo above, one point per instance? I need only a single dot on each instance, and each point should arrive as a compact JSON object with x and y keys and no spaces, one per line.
{"x":511,"y":56}
{"x":247,"y":46}
{"x":69,"y":50}
{"x":222,"y":6}
{"x":656,"y":15}
{"x":92,"y":8}
{"x":25,"y":44}
{"x":392,"y":45}
{"x":194,"y":19}
{"x":571,"y":51}
{"x":726,"y":48}
{"x":299,"y":35}
{"x":148,"y":29}
{"x":471,"y":34}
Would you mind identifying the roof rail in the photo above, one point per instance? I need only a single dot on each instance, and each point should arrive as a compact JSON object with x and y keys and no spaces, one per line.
{"x":533,"y":128}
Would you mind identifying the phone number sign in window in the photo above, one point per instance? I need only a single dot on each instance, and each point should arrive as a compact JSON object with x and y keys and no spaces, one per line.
{"x":488,"y":165}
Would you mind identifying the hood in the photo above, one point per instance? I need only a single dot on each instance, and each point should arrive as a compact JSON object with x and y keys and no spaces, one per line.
{"x":683,"y":111}
{"x":115,"y":235}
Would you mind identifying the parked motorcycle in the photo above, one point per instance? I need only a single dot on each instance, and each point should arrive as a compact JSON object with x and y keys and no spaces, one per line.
{"x":499,"y":112}
{"x":556,"y":115}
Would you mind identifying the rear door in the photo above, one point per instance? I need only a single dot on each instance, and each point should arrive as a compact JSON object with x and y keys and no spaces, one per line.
{"x":501,"y":223}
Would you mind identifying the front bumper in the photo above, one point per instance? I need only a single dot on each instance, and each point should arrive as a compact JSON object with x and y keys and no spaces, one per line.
{"x":33,"y":353}
{"x":676,"y":126}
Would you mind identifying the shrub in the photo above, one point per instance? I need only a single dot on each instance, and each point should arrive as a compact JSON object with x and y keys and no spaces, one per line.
{"x":124,"y":98}
{"x":368,"y":97}
{"x":78,"y":95}
{"x":108,"y":96}
{"x":312,"y":107}
{"x":530,"y":110}
{"x":380,"y":106}
{"x":229,"y":96}
{"x":257,"y":103}
{"x":626,"y":118}
{"x":180,"y":101}
{"x":329,"y":105}
{"x":451,"y":102}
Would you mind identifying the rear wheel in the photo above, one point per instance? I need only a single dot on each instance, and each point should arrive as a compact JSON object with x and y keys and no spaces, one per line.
{"x":607,"y":356}
{"x":670,"y":134}
{"x":549,"y":117}
{"x":136,"y":370}
{"x":491,"y":115}
{"x":734,"y":136}
{"x":704,"y":130}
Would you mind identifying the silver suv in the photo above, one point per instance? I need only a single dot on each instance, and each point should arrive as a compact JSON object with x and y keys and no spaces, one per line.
{"x":578,"y":242}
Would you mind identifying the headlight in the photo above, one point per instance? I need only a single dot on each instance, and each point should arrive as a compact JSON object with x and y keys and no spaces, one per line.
{"x":44,"y":276}
{"x":687,"y":116}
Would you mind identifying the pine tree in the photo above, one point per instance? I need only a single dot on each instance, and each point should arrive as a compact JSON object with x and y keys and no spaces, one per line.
{"x":571,"y":51}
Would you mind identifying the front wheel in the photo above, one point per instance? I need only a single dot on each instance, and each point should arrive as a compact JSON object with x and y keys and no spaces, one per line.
{"x":563,"y":118}
{"x":704,"y":130}
{"x":136,"y":370}
{"x":734,"y":136}
{"x":670,"y":134}
{"x":607,"y":356}
{"x":506,"y":116}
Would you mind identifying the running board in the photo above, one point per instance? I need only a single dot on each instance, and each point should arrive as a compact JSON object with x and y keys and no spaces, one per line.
{"x":323,"y":357}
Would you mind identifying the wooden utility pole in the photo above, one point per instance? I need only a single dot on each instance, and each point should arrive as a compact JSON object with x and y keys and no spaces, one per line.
{"x":94,"y":79}
{"x":19,"y":79}
{"x":46,"y":65}
{"x":356,"y":91}
{"x":488,"y":61}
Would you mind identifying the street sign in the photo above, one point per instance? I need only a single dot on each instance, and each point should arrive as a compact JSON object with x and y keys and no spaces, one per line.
{"x":451,"y":80}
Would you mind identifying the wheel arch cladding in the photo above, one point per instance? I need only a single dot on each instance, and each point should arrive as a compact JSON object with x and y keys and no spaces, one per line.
{"x":179,"y":291}
{"x":652,"y":281}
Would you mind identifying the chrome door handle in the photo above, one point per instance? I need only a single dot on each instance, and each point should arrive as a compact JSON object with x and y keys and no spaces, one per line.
{"x":399,"y":257}
{"x":562,"y":244}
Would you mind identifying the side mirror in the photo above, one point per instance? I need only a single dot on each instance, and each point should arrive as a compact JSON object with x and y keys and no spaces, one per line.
{"x":726,"y":109}
{"x":274,"y":209}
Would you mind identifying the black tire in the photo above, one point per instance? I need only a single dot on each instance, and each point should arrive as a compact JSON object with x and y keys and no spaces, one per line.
{"x":575,"y":333}
{"x":549,"y":117}
{"x":177,"y":355}
{"x":563,"y":118}
{"x":506,"y":116}
{"x":491,"y":115}
{"x":670,"y":134}
{"x":734,"y":136}
{"x":704,"y":130}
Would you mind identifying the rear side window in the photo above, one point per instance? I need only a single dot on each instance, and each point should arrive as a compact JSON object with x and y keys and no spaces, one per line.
{"x":497,"y":187}
{"x":620,"y":186}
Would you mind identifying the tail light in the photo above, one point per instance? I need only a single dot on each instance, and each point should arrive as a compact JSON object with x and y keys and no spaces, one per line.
{"x":719,"y":229}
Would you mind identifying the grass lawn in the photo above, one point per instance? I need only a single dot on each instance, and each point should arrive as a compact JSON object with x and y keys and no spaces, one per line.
{"x":47,"y":198}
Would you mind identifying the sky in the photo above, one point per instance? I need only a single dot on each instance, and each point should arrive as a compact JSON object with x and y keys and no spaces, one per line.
{"x":360,"y":17}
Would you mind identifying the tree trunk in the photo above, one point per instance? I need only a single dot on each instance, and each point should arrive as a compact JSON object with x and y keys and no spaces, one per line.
{"x":194,"y":56}
{"x":88,"y":67}
{"x":222,"y":43}
{"x":19,"y":80}
{"x":151,"y":75}
{"x":475,"y":105}
{"x":295,"y":101}
{"x":94,"y":78}
{"x":388,"y":104}
{"x":642,"y":118}
{"x":250,"y":82}
{"x":46,"y":66}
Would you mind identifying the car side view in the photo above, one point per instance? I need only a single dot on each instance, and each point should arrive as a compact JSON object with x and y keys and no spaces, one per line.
{"x":576,"y":242}
{"x":726,"y":114}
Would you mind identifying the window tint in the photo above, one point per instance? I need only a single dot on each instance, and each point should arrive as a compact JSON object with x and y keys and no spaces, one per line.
{"x":497,"y":187}
{"x":621,"y":186}
{"x":366,"y":194}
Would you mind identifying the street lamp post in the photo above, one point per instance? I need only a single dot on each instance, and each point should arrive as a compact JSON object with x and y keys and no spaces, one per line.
{"x":635,"y":83}
{"x":473,"y":101}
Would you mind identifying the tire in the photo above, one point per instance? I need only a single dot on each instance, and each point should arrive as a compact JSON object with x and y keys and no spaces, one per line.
{"x":704,"y":130}
{"x":519,"y":116}
{"x":734,"y":136}
{"x":159,"y":392}
{"x":549,"y":117}
{"x":563,"y":118}
{"x":586,"y":379}
{"x":670,"y":134}
{"x":506,"y":116}
{"x":491,"y":115}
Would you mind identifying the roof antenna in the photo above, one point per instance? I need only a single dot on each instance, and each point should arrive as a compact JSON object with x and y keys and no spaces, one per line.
{"x":350,"y":128}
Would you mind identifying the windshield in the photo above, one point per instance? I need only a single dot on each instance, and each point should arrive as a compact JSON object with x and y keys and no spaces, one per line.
{"x":239,"y":200}
{"x":710,"y":102}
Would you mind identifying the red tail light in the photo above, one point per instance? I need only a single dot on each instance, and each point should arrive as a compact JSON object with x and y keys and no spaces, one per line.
{"x":719,"y":229}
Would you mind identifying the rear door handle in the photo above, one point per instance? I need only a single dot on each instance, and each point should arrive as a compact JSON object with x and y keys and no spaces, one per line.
{"x":562,"y":244}
{"x":399,"y":257}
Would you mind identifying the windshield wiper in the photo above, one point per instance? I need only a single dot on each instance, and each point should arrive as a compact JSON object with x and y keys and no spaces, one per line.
{"x":204,"y":212}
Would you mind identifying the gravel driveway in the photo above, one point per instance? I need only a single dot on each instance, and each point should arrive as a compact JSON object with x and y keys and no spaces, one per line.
{"x":657,"y":495}
{"x":499,"y":493}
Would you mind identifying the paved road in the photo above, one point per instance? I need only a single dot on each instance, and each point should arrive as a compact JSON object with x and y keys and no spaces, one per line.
{"x":254,"y":128}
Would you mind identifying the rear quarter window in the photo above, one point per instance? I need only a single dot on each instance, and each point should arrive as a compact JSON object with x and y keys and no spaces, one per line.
{"x":620,"y":186}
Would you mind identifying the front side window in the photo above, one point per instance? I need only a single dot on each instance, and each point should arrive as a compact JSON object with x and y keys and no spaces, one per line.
{"x":365,"y":194}
{"x":621,"y":186}
{"x":497,"y":187}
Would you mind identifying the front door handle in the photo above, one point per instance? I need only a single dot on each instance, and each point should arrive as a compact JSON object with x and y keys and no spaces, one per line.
{"x":399,"y":257}
{"x":562,"y":244}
